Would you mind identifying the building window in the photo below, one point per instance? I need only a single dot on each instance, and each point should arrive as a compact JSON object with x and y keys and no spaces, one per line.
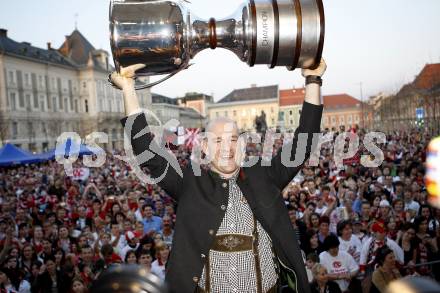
{"x":30,"y":129}
{"x":86,"y":103}
{"x":13,"y":101}
{"x":28,"y":101}
{"x":48,"y":102}
{"x":14,"y":130}
{"x":76,"y":106}
{"x":26,"y":79}
{"x":217,"y":114}
{"x":326,"y":120}
{"x":11,"y":77}
{"x":40,"y":81}
{"x":291,"y":112}
{"x":54,"y":103}
{"x":272,"y":110}
{"x":42,"y":108}
{"x":234,"y":113}
{"x":226,"y":113}
{"x":71,"y":103}
{"x":349,"y":119}
{"x":52,"y":81}
{"x":291,"y":122}
{"x":333,"y":120}
{"x":356,"y":118}
{"x":281,"y":116}
{"x":43,"y":129}
{"x":342,"y":120}
{"x":66,"y":105}
{"x":36,"y":101}
{"x":60,"y":102}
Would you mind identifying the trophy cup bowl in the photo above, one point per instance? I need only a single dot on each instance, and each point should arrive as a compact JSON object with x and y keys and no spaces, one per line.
{"x":164,"y":35}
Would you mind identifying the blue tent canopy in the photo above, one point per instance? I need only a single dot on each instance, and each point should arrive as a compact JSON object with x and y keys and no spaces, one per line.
{"x":12,"y":155}
{"x":69,"y":150}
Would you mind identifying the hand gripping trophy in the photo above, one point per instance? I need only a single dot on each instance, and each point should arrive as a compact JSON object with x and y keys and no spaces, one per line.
{"x":233,"y":232}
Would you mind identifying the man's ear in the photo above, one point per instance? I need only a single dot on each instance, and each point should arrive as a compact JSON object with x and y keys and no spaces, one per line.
{"x":240,"y":151}
{"x":204,"y":145}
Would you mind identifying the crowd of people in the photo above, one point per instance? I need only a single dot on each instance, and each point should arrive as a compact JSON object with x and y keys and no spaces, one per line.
{"x":359,"y":228}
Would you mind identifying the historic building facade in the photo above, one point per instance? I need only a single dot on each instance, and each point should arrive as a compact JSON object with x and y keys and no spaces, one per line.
{"x":166,"y":109}
{"x":244,"y":105}
{"x":290,"y":104}
{"x":416,"y":104}
{"x":45,"y":92}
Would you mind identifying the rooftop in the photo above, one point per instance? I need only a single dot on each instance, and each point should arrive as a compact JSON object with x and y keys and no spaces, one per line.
{"x":76,"y":52}
{"x":292,"y":97}
{"x":429,"y":77}
{"x":341,"y":101}
{"x":252,"y":93}
{"x":160,"y":99}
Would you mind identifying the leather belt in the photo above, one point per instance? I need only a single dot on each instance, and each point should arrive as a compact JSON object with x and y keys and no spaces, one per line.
{"x":274,"y":289}
{"x":232,"y":243}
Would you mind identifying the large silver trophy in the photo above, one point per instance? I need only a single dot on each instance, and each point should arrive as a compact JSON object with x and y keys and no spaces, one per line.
{"x":165,"y":36}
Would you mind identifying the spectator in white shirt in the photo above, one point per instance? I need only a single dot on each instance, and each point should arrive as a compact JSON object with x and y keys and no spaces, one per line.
{"x":410,"y":204}
{"x":340,"y":265}
{"x":158,"y":266}
{"x":348,"y":242}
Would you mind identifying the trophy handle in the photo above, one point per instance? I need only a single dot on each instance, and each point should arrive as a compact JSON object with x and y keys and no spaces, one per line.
{"x":149,"y":85}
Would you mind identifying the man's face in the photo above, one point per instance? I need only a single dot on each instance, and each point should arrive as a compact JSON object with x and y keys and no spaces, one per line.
{"x":292,"y":216}
{"x":380,"y":236}
{"x":221,"y":148}
{"x":148,"y":212}
{"x":82,"y":241}
{"x":324,"y":228}
{"x":82,"y":212}
{"x":47,"y":246}
{"x":384,"y":210}
{"x":87,"y":254}
{"x":425,"y":212}
{"x":365,"y":209}
{"x":408,"y":195}
{"x":166,"y":221}
{"x":159,"y":205}
{"x":115,"y":229}
{"x":20,"y":214}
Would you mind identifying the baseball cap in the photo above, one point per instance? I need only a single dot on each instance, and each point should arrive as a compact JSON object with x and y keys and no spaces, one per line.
{"x":129,"y":235}
{"x":384,"y":204}
{"x":378,"y":227}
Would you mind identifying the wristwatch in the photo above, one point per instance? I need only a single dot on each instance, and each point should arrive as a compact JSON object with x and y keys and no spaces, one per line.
{"x":314,"y":79}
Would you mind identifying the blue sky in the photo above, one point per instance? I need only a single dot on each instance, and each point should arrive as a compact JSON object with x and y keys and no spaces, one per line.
{"x":381,"y":43}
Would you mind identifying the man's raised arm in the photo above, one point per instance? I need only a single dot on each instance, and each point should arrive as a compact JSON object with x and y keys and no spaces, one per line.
{"x":286,"y":164}
{"x":162,"y":165}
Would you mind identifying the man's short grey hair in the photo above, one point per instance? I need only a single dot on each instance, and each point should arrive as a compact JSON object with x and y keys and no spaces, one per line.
{"x":220,"y":120}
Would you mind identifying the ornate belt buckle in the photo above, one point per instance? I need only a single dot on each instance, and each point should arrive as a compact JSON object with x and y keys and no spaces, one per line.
{"x":231,"y":242}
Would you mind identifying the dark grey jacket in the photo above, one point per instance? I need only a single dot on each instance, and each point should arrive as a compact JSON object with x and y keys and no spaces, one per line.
{"x":202,"y":202}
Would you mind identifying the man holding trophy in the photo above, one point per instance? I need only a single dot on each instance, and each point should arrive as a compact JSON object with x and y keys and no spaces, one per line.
{"x":233,"y":232}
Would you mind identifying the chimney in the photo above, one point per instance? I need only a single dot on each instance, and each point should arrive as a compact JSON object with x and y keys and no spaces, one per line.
{"x":49,"y":45}
{"x":3,"y":33}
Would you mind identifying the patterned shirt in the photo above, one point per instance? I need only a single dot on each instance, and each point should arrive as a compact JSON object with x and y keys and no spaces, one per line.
{"x":235,"y":271}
